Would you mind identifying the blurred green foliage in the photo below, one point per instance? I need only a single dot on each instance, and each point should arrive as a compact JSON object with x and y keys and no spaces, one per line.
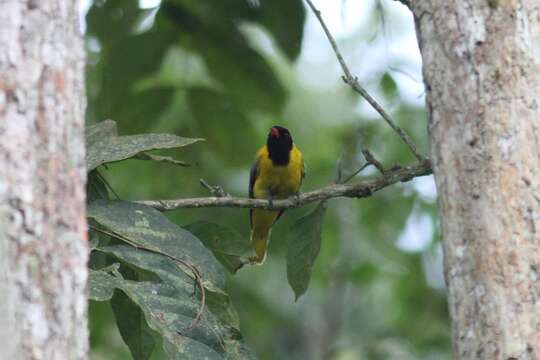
{"x":225,"y":71}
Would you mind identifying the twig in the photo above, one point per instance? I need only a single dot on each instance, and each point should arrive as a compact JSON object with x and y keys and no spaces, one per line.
{"x":192,"y":268}
{"x":217,"y":190}
{"x":370,"y":158}
{"x":350,"y":177}
{"x":358,"y":190}
{"x":352,"y":81}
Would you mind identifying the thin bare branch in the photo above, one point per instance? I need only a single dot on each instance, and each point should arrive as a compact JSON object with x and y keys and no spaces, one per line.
{"x":357,"y":190}
{"x":370,"y":158}
{"x":352,"y":81}
{"x":358,"y":171}
{"x":217,"y":190}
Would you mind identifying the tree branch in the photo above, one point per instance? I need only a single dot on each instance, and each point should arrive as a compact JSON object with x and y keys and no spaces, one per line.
{"x":352,"y":81}
{"x":359,"y":190}
{"x":371,"y":160}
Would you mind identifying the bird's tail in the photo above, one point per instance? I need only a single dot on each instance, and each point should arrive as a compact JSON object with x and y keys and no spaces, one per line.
{"x":260,"y":232}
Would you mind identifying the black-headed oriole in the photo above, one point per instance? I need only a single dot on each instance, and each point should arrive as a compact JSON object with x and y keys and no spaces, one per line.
{"x":276,"y":174}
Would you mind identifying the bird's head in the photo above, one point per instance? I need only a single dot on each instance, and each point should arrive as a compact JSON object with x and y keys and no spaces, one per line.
{"x":278,"y":136}
{"x":279,"y":144}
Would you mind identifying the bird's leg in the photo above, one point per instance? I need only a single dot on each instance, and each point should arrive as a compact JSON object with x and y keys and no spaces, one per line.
{"x":296,"y":198}
{"x":271,"y":198}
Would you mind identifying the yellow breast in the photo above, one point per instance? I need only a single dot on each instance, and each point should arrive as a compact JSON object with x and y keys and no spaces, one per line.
{"x":280,"y":181}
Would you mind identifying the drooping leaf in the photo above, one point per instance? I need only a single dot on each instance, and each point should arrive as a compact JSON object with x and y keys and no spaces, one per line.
{"x":150,"y":229}
{"x":168,"y":271}
{"x":118,"y":148}
{"x":228,"y":246}
{"x":303,"y":248}
{"x":132,"y":326}
{"x":170,"y":312}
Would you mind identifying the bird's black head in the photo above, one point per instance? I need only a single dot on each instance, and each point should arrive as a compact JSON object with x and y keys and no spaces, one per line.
{"x":279,"y":145}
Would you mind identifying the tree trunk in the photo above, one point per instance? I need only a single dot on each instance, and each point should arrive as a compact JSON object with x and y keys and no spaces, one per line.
{"x":43,"y":242}
{"x":482,"y":74}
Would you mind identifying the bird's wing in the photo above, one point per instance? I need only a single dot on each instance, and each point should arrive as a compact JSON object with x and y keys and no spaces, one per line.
{"x":303,"y":173}
{"x":253,"y":174}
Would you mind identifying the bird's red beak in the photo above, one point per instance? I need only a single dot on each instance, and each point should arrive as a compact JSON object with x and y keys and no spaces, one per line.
{"x":274,"y":132}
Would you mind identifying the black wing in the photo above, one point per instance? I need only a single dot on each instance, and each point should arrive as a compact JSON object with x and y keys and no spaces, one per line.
{"x":253,"y":174}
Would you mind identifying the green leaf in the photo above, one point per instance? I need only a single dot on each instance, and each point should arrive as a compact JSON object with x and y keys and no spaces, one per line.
{"x":252,"y":85}
{"x":96,"y":188}
{"x":132,"y":326}
{"x":170,"y":313}
{"x":214,"y":112}
{"x":150,"y":229}
{"x":228,"y":246}
{"x":237,"y":350}
{"x":112,"y":20}
{"x":244,"y":74}
{"x":141,"y":109}
{"x":101,"y":285}
{"x":167,"y":270}
{"x":219,"y":303}
{"x":93,"y":133}
{"x":111,"y":149}
{"x":303,"y":248}
{"x":165,"y":159}
{"x":388,"y":85}
{"x":286,"y":26}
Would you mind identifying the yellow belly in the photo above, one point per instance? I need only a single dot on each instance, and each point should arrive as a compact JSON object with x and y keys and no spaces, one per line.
{"x":278,"y":181}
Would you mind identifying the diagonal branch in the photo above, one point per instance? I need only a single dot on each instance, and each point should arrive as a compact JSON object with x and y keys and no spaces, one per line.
{"x":359,"y":190}
{"x":352,"y":81}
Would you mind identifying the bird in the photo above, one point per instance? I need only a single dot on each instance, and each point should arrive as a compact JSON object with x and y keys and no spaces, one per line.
{"x":277,"y":173}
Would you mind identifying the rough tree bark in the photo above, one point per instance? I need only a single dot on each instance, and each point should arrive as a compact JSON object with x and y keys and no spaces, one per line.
{"x":482,"y":74}
{"x":43,"y":247}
